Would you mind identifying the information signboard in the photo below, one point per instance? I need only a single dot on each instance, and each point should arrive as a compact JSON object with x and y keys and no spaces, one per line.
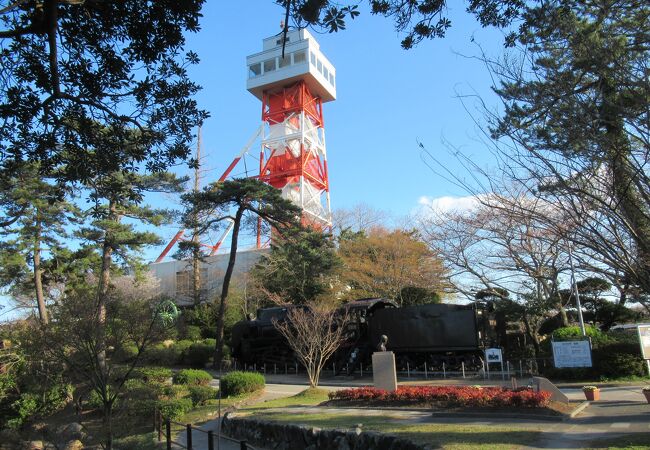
{"x":493,"y":355}
{"x":644,"y":340}
{"x":572,"y":353}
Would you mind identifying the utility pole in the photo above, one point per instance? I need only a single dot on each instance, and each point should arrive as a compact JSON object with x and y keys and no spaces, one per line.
{"x":196,"y":260}
{"x":574,"y":288}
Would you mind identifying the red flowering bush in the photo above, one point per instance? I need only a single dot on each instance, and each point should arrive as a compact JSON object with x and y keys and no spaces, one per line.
{"x":452,"y":395}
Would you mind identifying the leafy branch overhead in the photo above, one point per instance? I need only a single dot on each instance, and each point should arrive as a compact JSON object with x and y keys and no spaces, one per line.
{"x":419,"y":19}
{"x":69,"y":67}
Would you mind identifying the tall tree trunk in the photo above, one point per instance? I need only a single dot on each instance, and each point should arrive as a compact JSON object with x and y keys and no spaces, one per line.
{"x":38,"y":274}
{"x":102,"y":294}
{"x":218,"y":353}
{"x":563,"y":315}
{"x":532,"y":334}
{"x":108,"y":425}
{"x":624,"y":187}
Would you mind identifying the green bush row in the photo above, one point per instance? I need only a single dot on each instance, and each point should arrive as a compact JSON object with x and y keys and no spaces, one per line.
{"x":155,"y":374}
{"x":174,"y":409}
{"x":201,"y":394}
{"x":614,"y":355}
{"x":193,"y":377}
{"x":183,"y":352}
{"x":237,"y":383}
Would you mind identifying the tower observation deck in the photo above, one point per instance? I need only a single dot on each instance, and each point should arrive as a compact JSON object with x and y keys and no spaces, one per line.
{"x":292,"y":89}
{"x":292,"y":155}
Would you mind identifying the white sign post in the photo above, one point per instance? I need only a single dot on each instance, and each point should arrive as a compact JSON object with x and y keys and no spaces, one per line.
{"x":572,"y":353}
{"x":644,"y":340}
{"x":494,"y":355}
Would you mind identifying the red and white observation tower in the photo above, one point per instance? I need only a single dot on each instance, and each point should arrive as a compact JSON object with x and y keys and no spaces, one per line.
{"x":292,"y":78}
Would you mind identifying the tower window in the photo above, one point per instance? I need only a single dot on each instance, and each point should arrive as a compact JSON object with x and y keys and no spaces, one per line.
{"x":279,"y":41}
{"x":285,"y":61}
{"x":269,"y":65}
{"x":254,"y":70}
{"x":299,"y":57}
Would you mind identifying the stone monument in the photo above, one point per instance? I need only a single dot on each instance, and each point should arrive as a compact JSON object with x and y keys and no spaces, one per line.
{"x":383,"y":367}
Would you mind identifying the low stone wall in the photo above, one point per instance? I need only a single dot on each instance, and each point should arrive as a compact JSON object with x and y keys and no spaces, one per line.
{"x":293,"y":437}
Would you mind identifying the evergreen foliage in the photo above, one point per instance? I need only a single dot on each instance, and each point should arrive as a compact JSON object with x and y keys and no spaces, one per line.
{"x":237,"y":383}
{"x":243,"y":201}
{"x":300,"y":266}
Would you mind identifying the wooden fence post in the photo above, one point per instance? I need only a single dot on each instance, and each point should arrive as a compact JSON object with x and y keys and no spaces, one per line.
{"x":168,"y":433}
{"x":188,"y":427}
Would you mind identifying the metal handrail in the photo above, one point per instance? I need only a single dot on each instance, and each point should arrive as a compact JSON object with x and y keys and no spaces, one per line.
{"x":189,"y":428}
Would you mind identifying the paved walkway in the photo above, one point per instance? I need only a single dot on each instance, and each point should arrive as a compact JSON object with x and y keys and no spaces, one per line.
{"x":621,"y":411}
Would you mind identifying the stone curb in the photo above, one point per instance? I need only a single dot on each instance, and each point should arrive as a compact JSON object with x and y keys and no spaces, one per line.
{"x":579,"y":409}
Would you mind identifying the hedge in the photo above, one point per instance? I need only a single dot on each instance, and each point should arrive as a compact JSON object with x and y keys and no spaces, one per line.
{"x":236,"y":383}
{"x":198,"y":354}
{"x":157,"y":374}
{"x":452,"y":395}
{"x":174,"y":409}
{"x":192,"y":376}
{"x":201,"y":394}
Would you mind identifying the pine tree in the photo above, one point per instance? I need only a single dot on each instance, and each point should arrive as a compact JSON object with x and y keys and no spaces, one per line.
{"x":242,"y":201}
{"x":39,"y":216}
{"x":300,"y":267}
{"x":577,"y":107}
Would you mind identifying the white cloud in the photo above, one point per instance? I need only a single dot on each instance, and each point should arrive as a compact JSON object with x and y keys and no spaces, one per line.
{"x":447,"y":203}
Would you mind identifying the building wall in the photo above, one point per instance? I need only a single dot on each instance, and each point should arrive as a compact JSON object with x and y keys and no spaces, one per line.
{"x":175,"y":276}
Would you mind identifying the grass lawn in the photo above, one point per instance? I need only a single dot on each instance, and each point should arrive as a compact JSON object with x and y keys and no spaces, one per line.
{"x":308,"y":397}
{"x":632,"y":441}
{"x":448,"y":436}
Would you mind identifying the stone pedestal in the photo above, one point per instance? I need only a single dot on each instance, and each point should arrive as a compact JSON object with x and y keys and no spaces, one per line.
{"x":383,"y":369}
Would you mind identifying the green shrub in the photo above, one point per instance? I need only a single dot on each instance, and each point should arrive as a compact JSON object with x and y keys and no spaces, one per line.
{"x":201,"y":394}
{"x":192,"y":333}
{"x":94,"y":400}
{"x":174,"y":391}
{"x":55,"y":398}
{"x":141,"y":408}
{"x":570,"y":333}
{"x":182,"y":345}
{"x":198,"y":354}
{"x":29,"y":404}
{"x":619,"y":359}
{"x":138,"y":389}
{"x":569,"y":374}
{"x":25,"y":407}
{"x":204,"y":316}
{"x":157,"y":374}
{"x":146,"y":441}
{"x":160,"y":355}
{"x":126,"y":352}
{"x":192,"y":376}
{"x":174,"y":409}
{"x":236,"y":383}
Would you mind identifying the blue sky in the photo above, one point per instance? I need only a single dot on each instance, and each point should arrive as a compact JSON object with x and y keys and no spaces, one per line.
{"x":387,"y":100}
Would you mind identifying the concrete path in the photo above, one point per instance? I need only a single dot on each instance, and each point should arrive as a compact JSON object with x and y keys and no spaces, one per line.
{"x":271,"y":391}
{"x":621,"y":411}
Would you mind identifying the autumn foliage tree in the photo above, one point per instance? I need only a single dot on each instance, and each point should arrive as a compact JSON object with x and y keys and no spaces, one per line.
{"x":390,"y":264}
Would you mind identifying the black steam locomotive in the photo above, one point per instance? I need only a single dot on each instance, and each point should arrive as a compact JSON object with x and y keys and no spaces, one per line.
{"x":434,"y":334}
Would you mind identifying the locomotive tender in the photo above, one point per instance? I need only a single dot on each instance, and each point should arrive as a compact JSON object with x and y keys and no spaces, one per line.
{"x":433,"y":334}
